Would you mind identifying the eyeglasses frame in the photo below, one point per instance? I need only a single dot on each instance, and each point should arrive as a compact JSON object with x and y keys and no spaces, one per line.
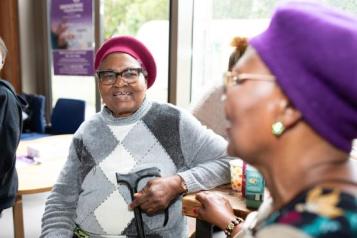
{"x":230,"y":79}
{"x":119,"y":74}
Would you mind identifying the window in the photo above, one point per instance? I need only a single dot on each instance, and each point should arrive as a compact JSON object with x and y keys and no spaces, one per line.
{"x":215,"y":24}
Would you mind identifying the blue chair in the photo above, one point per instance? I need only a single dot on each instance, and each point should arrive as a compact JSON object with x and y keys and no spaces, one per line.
{"x":34,"y":125}
{"x":67,"y":116}
{"x":35,"y":122}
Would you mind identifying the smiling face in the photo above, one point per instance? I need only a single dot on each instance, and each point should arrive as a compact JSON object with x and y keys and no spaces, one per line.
{"x":251,"y":108}
{"x":121,"y":98}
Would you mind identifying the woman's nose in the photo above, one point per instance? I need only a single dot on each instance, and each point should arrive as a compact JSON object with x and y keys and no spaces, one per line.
{"x":119,"y":82}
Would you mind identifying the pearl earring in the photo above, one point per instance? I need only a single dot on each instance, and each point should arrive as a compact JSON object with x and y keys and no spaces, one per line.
{"x":278,"y":128}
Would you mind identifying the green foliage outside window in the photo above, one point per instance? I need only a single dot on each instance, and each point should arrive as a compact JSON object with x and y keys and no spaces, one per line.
{"x":235,"y":9}
{"x":242,"y":9}
{"x":126,"y":16}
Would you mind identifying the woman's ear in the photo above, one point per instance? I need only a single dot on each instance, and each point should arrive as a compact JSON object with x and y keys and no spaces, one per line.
{"x":290,"y":115}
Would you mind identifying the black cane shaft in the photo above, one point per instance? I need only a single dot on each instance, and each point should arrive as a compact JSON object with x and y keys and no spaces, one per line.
{"x":139,"y":222}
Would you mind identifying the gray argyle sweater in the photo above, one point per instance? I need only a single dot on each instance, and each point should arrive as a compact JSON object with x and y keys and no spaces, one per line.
{"x":157,"y":135}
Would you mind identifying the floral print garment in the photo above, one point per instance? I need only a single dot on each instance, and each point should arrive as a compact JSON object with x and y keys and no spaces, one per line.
{"x":319,"y":212}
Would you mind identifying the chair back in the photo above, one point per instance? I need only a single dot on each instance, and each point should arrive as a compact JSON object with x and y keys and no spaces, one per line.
{"x":35,"y":122}
{"x":67,"y":116}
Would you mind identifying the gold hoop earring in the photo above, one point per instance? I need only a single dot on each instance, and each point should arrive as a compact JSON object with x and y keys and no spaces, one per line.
{"x":278,"y":128}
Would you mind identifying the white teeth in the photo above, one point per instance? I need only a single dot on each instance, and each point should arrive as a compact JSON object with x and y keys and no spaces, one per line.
{"x":121,"y":93}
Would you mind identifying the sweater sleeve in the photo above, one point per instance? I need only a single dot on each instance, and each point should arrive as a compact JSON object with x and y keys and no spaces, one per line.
{"x":204,"y":154}
{"x":60,"y":210}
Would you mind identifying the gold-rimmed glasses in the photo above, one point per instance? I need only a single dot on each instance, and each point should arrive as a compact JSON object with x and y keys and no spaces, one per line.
{"x":230,"y":79}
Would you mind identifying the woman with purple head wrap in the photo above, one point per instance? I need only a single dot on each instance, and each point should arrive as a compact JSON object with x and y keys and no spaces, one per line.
{"x":299,"y":92}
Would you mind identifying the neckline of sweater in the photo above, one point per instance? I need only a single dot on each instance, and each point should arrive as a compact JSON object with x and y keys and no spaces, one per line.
{"x":143,"y":109}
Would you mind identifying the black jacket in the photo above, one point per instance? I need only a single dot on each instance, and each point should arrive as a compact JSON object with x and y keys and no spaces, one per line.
{"x":10,"y":129}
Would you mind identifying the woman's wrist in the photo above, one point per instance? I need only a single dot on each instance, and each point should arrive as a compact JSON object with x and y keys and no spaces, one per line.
{"x":236,"y":230}
{"x":180,"y":185}
{"x":232,"y":228}
{"x":224,"y":223}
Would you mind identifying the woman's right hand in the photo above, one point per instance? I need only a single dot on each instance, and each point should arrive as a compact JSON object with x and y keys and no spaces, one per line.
{"x":214,"y":209}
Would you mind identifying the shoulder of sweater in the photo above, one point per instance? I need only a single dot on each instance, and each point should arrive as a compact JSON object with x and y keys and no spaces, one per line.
{"x":182,"y":112}
{"x":87,"y":123}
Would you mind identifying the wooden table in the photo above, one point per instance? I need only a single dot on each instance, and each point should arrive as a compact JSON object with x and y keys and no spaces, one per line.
{"x":204,"y":229}
{"x":38,"y":178}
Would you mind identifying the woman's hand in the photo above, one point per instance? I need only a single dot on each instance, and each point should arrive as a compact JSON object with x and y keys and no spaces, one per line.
{"x":157,"y":194}
{"x":214,"y":209}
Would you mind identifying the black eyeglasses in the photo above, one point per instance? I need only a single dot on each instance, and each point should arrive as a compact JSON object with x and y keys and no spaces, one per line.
{"x":128,"y":75}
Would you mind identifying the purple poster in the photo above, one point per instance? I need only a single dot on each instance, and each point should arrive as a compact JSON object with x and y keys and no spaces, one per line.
{"x":72,"y":37}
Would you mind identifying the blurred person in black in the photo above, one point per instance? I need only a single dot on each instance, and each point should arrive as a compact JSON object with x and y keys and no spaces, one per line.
{"x":10,"y":131}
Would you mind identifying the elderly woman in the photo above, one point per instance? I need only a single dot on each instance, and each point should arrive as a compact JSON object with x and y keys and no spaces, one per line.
{"x":129,"y":134}
{"x":298,"y":89}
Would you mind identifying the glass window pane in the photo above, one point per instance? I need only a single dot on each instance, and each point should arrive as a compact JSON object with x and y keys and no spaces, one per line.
{"x":215,"y":24}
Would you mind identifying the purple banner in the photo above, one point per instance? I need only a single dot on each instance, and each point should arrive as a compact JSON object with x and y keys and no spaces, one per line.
{"x":72,"y":37}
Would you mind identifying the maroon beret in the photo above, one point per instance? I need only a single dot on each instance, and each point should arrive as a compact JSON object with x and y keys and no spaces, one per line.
{"x":131,"y":46}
